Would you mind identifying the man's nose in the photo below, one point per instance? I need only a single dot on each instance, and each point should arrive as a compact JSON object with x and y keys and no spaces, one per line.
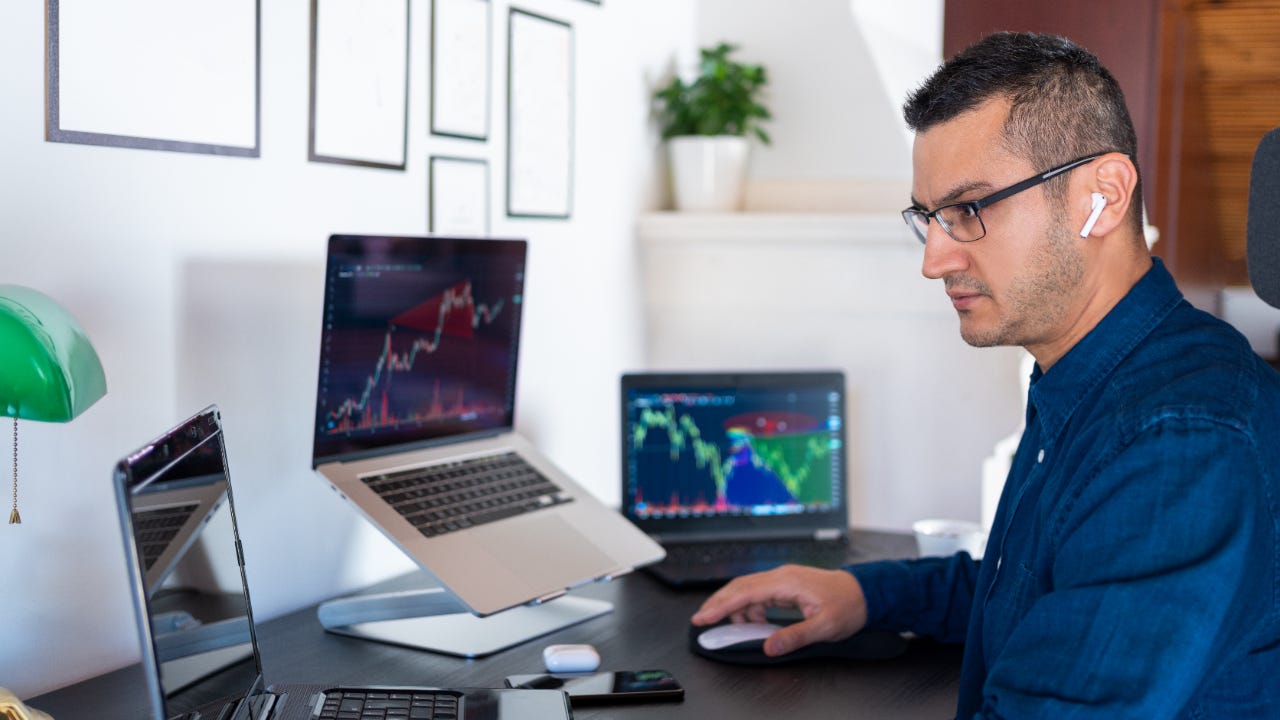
{"x":943,"y":254}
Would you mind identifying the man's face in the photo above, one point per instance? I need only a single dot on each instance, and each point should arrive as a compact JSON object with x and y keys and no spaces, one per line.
{"x":1019,"y":284}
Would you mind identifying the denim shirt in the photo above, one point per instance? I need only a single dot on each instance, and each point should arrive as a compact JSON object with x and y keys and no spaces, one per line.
{"x":1131,"y":570}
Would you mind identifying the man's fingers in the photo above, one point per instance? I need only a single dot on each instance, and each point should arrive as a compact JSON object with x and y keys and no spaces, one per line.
{"x":791,"y":638}
{"x":737,"y":598}
{"x":786,"y":640}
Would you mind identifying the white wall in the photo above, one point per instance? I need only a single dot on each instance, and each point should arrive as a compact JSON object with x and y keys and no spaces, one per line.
{"x":198,"y":279}
{"x":836,"y":80}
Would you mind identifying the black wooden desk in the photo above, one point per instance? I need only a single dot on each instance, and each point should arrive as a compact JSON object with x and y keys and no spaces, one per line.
{"x":646,"y":630}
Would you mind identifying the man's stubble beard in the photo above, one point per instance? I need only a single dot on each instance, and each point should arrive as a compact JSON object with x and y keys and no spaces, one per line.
{"x":1034,"y":303}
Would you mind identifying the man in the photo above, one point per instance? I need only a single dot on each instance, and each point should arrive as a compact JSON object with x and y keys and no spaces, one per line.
{"x":1131,"y":569}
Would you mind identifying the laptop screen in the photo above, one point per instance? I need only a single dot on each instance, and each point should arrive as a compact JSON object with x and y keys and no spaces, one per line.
{"x":712,"y":451}
{"x":419,"y":341}
{"x":195,"y":622}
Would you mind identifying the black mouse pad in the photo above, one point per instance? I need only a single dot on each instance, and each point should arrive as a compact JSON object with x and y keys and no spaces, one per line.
{"x":866,"y":645}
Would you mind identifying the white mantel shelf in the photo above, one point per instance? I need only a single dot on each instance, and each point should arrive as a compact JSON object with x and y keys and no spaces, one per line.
{"x":769,"y":227}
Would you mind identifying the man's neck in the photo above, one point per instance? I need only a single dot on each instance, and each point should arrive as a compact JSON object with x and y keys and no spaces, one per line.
{"x":1104,"y":291}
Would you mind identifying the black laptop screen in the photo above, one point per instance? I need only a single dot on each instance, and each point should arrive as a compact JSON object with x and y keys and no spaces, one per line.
{"x":764,"y":445}
{"x":419,"y":341}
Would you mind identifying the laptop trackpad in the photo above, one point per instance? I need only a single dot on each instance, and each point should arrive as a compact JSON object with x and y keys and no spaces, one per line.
{"x":542,"y":548}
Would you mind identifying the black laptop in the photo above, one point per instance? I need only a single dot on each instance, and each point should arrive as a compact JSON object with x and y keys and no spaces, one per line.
{"x":199,"y":651}
{"x":736,"y":472}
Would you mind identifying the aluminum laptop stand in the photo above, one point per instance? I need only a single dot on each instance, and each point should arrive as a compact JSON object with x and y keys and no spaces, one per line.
{"x":433,"y":619}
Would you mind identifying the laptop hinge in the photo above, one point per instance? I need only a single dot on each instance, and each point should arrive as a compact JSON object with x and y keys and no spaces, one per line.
{"x":828,"y":534}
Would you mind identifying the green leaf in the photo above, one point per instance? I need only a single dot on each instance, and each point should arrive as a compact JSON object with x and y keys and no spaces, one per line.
{"x":722,"y":100}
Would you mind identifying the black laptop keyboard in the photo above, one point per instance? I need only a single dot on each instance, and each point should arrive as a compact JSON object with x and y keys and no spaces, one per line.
{"x":155,"y":529}
{"x":804,"y":551}
{"x":457,"y":495}
{"x":414,"y":705}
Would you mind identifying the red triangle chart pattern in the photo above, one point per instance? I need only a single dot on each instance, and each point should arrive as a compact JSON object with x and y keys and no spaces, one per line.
{"x":438,"y":315}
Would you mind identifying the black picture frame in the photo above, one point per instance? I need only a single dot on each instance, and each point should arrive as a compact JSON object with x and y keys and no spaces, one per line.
{"x":321,"y":145}
{"x":540,"y":109}
{"x":452,"y":204}
{"x":458,"y":83}
{"x":71,"y":119}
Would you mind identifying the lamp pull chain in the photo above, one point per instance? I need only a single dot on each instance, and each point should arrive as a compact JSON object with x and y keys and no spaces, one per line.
{"x":14,"y":517}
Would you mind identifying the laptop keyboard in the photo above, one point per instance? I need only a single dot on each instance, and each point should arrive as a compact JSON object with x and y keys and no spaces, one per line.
{"x":453,"y":496}
{"x":155,"y":529}
{"x":796,"y":550}
{"x":413,"y":705}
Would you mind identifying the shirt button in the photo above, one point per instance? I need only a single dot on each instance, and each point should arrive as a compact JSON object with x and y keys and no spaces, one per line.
{"x":1040,"y":457}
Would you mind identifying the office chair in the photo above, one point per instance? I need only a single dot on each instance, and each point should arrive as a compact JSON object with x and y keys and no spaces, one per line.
{"x":1263,"y":233}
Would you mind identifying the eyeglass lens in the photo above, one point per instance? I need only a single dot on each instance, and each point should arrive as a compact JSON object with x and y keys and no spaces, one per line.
{"x":958,"y":221}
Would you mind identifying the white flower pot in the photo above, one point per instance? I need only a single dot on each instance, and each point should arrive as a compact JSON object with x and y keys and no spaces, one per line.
{"x":708,"y":172}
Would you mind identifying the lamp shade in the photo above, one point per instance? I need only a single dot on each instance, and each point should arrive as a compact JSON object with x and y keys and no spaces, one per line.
{"x":48,"y":369}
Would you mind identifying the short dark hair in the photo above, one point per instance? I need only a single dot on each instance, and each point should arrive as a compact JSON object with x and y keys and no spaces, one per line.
{"x":1064,"y":103}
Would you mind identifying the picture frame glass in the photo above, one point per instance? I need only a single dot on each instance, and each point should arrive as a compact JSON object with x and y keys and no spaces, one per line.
{"x":460,"y":50}
{"x":105,"y":86}
{"x":360,"y":71}
{"x":458,"y":201}
{"x":540,"y":117}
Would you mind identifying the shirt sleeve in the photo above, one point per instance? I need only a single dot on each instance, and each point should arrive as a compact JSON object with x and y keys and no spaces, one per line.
{"x":1151,"y":583}
{"x":930,"y":597}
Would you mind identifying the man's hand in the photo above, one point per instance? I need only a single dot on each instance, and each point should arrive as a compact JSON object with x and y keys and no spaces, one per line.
{"x":830,"y":600}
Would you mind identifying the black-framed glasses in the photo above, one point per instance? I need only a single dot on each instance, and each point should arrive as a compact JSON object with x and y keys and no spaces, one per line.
{"x":961,"y":220}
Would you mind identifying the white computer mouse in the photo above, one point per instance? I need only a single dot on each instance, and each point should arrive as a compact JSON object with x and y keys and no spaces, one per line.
{"x":722,"y":636}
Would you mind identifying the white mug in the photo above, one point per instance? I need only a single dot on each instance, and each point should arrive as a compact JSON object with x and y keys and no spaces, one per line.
{"x":942,"y":537}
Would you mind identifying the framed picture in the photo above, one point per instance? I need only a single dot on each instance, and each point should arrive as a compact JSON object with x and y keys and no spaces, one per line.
{"x":461,"y":37}
{"x":154,"y":74}
{"x":539,"y":116}
{"x":458,"y":196}
{"x":359,"y":82}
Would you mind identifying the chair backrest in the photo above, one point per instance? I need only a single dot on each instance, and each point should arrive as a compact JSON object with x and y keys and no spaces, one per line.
{"x":1264,"y":219}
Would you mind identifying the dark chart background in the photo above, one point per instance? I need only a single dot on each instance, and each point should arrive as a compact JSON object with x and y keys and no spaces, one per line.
{"x":416,"y":347}
{"x":732,"y":452}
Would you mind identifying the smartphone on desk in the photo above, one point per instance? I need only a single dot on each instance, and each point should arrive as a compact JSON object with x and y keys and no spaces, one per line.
{"x":604,"y":688}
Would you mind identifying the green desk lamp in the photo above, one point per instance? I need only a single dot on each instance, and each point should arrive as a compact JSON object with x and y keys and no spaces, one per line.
{"x":48,"y":369}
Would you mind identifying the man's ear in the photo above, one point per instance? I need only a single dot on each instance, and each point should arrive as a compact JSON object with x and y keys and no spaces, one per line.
{"x":1114,"y":179}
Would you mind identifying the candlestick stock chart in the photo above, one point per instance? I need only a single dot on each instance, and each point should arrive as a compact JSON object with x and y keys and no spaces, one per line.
{"x":419,"y":347}
{"x":419,"y":333}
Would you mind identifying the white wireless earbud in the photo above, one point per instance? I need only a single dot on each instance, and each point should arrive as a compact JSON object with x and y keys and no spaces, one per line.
{"x":1099,"y":202}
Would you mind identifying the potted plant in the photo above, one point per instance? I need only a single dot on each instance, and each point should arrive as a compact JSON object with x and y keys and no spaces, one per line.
{"x":705,"y":123}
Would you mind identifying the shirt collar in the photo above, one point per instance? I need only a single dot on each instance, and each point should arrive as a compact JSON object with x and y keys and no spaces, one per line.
{"x":1054,"y":395}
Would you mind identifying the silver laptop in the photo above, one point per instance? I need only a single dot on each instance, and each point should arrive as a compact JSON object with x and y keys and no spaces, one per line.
{"x":209,"y":666}
{"x":415,"y":410}
{"x":736,"y":472}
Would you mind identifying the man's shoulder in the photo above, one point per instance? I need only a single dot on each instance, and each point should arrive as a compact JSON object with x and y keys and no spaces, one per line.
{"x":1193,"y":364}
